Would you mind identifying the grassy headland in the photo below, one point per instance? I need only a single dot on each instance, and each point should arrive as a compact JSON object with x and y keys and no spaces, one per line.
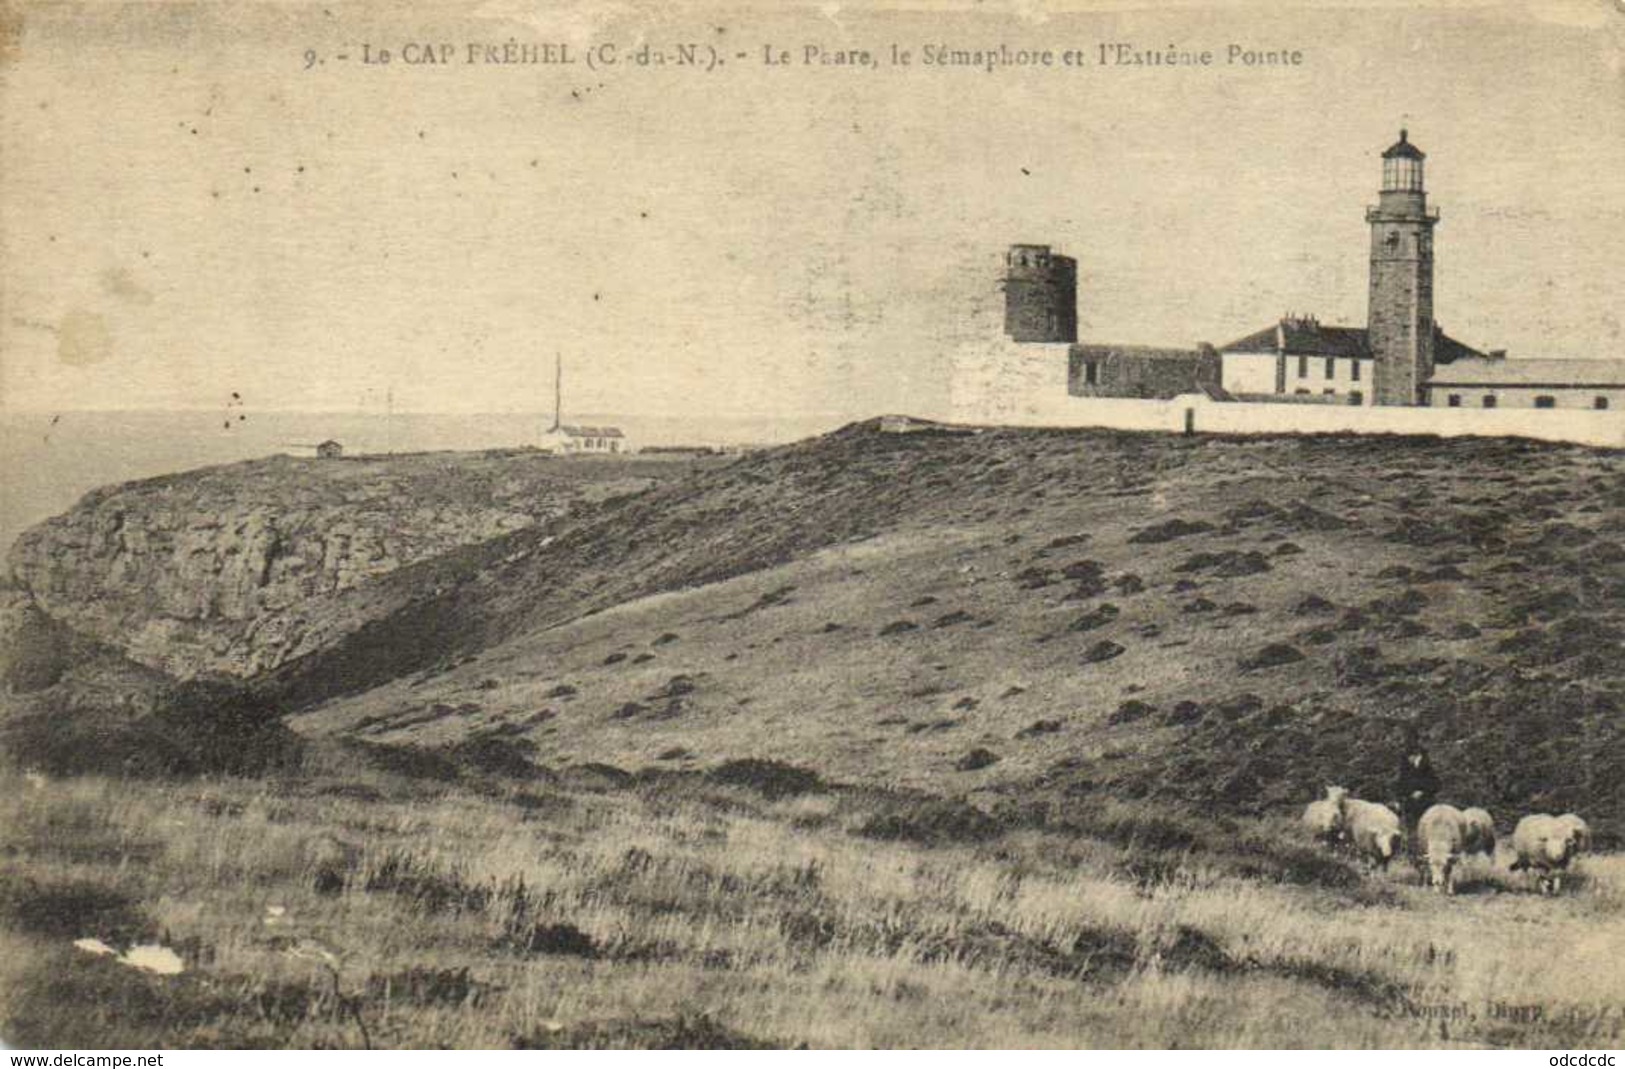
{"x":930,"y":739}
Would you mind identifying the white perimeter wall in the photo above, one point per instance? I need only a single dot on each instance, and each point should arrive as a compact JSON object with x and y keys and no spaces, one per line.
{"x":1006,"y":383}
{"x":1552,"y":425}
{"x":1025,"y":386}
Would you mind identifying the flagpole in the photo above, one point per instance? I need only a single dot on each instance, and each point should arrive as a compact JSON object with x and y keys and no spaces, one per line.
{"x":558,"y":390}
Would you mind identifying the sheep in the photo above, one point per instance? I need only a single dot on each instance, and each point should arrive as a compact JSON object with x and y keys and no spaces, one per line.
{"x":1324,"y":817}
{"x":1480,"y":832}
{"x":1579,"y":832}
{"x":1373,"y":830}
{"x":1443,"y":834}
{"x":1546,"y":844}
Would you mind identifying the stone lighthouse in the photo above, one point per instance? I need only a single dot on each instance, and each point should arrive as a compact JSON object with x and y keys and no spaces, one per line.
{"x":1399,"y":322}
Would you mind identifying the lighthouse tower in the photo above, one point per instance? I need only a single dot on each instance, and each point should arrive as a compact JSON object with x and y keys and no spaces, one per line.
{"x":1399,"y":322}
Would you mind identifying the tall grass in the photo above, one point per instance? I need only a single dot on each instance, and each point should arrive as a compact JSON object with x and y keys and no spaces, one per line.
{"x":698,"y":913}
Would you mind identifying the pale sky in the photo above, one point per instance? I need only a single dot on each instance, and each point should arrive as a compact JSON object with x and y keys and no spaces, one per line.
{"x":188,"y":212}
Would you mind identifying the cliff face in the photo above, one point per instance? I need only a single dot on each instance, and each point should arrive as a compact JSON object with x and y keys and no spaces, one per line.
{"x":33,"y":651}
{"x":237,"y":570}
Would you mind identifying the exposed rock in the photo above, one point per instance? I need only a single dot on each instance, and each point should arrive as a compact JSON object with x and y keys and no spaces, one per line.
{"x":1129,"y":584}
{"x":1104,"y":650}
{"x":237,"y":570}
{"x":1313,"y":605}
{"x":1227,"y":563}
{"x":1039,"y":727}
{"x":1130,"y":711}
{"x":1099,"y":616}
{"x":33,"y":651}
{"x":976,"y":759}
{"x":1185,"y":712}
{"x":1169,"y":530}
{"x":1272,"y":656}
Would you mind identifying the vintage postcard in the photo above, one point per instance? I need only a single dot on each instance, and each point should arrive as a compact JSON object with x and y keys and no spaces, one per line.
{"x":836,"y":525}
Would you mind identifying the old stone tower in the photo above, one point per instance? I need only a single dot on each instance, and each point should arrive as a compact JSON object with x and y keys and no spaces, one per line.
{"x":1040,"y":295}
{"x":1399,"y":321}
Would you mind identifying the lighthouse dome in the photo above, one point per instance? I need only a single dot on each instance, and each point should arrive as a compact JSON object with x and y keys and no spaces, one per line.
{"x":1403,"y":149}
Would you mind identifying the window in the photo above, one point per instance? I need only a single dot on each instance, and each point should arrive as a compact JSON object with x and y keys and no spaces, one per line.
{"x":1402,"y":173}
{"x":1454,"y":401}
{"x":1355,"y":396}
{"x":1545,"y":401}
{"x":1599,"y":403}
{"x":1489,"y":400}
{"x":1091,"y":373}
{"x":1354,"y":369}
{"x":1301,"y":392}
{"x":1303,"y":367}
{"x":1331,"y":368}
{"x":1329,"y":391}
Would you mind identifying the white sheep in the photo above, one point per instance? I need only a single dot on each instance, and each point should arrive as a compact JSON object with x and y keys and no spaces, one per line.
{"x":1373,"y":830}
{"x":1480,"y":832}
{"x":1579,"y":832}
{"x":1545,"y":844}
{"x":1442,"y":834}
{"x":1324,"y":816}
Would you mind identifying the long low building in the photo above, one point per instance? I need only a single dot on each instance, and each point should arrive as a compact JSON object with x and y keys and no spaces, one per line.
{"x":569,"y":438}
{"x":1593,"y":384}
{"x":1143,"y":371}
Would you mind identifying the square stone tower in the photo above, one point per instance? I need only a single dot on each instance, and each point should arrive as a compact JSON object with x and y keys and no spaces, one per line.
{"x":1400,"y":328}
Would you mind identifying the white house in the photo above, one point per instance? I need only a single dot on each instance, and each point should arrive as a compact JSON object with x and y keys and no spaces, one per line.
{"x":574,"y":439}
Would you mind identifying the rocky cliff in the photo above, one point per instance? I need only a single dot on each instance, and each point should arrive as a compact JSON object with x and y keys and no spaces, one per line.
{"x":237,"y":570}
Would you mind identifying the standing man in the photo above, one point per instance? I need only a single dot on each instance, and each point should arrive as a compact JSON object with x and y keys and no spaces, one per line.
{"x":1418,"y":783}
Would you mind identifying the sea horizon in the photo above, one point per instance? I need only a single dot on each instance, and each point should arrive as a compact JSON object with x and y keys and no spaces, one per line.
{"x":52,"y":458}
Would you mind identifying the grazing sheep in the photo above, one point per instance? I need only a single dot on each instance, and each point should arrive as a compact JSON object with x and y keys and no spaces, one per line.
{"x":1480,"y":832}
{"x":1545,"y":844}
{"x":1324,"y":817}
{"x":1443,"y":834}
{"x":1579,"y":832}
{"x":1373,"y":830}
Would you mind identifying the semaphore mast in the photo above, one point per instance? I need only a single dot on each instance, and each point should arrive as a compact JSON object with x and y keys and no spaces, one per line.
{"x":558,"y":391}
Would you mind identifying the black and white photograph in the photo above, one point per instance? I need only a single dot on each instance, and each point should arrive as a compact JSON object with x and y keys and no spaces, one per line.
{"x":1053,"y":525}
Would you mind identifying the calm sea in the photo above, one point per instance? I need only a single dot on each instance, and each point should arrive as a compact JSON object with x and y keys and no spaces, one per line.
{"x":48,"y":461}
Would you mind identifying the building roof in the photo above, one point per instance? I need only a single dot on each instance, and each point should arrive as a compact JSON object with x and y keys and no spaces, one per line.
{"x":1403,"y":147}
{"x":577,"y":431}
{"x":1102,"y":350}
{"x":1309,"y":337}
{"x":1447,"y":350}
{"x":1304,"y":337}
{"x":1532,"y":373}
{"x":1262,"y":341}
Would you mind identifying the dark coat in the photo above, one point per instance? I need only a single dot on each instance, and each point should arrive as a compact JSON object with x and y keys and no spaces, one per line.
{"x":1418,"y":787}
